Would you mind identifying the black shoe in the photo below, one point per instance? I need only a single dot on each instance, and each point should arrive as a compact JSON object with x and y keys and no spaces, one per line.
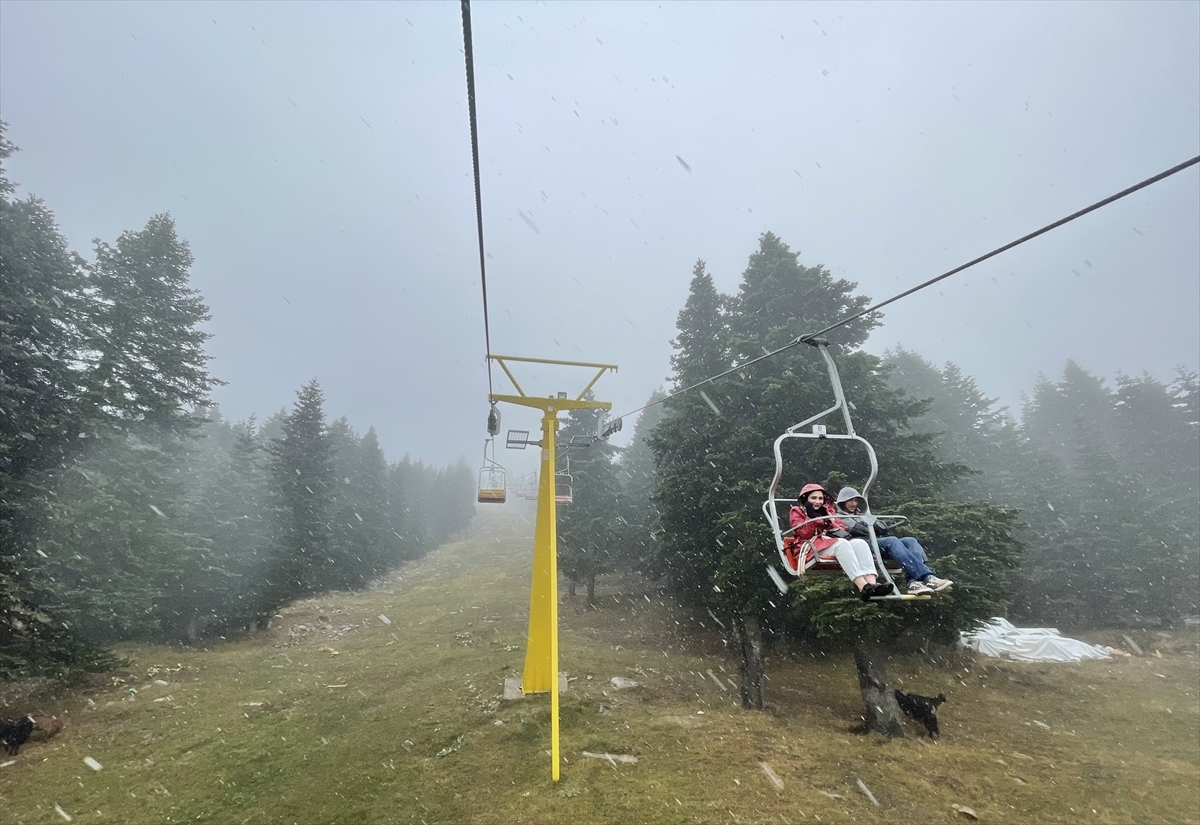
{"x":870,"y":591}
{"x":874,"y":590}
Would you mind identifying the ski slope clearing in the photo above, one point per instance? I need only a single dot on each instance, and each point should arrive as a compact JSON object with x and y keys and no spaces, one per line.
{"x":386,"y":706}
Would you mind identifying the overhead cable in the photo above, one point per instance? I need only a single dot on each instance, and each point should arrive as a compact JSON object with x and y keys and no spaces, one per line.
{"x":861,"y":313}
{"x":468,"y":51}
{"x":1060,"y":222}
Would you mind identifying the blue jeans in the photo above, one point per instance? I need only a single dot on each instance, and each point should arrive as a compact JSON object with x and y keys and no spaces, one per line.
{"x":908,"y":554}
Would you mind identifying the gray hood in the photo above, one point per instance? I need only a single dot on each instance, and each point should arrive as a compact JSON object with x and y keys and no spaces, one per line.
{"x":847,"y":493}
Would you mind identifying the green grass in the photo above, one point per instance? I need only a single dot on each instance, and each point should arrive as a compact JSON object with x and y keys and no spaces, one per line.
{"x":275,"y":728}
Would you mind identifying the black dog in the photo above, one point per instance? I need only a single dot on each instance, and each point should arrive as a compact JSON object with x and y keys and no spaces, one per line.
{"x":15,"y":732}
{"x":921,"y":708}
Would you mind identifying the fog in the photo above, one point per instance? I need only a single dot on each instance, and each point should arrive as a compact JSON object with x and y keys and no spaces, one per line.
{"x":317,"y":159}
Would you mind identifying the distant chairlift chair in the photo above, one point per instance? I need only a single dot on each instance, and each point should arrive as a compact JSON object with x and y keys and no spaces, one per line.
{"x":492,"y":488}
{"x":563,"y":484}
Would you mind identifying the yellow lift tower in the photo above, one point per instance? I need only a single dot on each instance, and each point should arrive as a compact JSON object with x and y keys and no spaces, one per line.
{"x":541,"y":653}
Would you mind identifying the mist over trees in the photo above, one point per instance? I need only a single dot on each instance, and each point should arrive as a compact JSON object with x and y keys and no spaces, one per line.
{"x":1107,"y":482}
{"x":1084,"y":512}
{"x":129,"y":509}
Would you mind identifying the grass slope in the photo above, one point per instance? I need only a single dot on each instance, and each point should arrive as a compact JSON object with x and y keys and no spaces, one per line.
{"x":337,"y":716}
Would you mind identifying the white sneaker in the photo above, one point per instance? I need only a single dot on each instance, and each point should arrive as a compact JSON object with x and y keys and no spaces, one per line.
{"x":936,"y":584}
{"x":919,"y":588}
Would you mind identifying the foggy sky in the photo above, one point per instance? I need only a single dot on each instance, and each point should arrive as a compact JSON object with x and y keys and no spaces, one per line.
{"x":316,"y":156}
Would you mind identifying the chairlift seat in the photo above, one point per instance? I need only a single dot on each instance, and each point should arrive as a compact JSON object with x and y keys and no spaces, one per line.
{"x":815,"y":565}
{"x":492,"y":477}
{"x":564,"y":484}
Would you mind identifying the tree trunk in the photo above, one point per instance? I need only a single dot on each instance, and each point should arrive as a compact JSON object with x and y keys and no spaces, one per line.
{"x":198,"y":627}
{"x":882,"y":712}
{"x":192,"y":633}
{"x":571,"y":588}
{"x":747,"y":635}
{"x":591,"y":587}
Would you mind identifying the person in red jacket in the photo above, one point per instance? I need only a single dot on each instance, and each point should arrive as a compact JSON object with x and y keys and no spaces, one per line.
{"x":813,"y":518}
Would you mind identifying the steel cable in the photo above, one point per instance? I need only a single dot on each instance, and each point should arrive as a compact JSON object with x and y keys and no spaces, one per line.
{"x":863,"y":312}
{"x":470,"y":60}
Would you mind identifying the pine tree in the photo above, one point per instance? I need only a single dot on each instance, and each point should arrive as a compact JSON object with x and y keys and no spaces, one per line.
{"x":701,"y":345}
{"x":968,"y":429}
{"x":637,"y":474}
{"x":228,"y":531}
{"x":1156,"y":437}
{"x":454,"y":500}
{"x":110,"y":549}
{"x":362,"y":540}
{"x":407,"y":517}
{"x":123,"y":372}
{"x":44,"y":318}
{"x":682,"y":440}
{"x":114,"y":547}
{"x":346,"y":546}
{"x":591,"y":532}
{"x":382,"y":550}
{"x":301,"y":470}
{"x":1158,"y":452}
{"x":271,"y":429}
{"x":1185,"y":390}
{"x":1121,"y":546}
{"x":715,"y":461}
{"x":150,"y":364}
{"x":1053,"y":413}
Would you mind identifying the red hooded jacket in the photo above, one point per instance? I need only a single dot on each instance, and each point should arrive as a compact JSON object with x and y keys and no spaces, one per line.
{"x":813,"y":529}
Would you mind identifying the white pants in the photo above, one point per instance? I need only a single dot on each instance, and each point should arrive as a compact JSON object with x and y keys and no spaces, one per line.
{"x":854,"y":555}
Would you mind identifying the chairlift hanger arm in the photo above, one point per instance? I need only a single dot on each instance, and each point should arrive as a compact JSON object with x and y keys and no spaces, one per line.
{"x":839,"y":394}
{"x":489,"y":455}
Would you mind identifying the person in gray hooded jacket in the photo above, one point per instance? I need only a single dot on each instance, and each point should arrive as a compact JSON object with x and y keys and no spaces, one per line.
{"x":906,"y":551}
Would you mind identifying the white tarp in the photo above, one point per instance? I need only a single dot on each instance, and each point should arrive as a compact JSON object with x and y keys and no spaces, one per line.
{"x":1001,"y":639}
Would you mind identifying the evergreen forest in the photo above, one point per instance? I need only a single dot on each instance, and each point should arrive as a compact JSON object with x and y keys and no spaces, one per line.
{"x":129,"y":508}
{"x":1079,"y":510}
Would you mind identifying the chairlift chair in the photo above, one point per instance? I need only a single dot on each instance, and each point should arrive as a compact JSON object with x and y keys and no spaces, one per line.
{"x":793,"y":561}
{"x":563,"y":484}
{"x":492,"y":487}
